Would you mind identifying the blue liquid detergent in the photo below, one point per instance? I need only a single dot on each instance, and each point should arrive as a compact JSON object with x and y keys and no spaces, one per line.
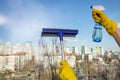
{"x":97,"y":33}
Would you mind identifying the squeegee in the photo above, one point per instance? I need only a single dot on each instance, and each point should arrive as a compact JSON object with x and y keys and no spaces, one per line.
{"x":52,"y":32}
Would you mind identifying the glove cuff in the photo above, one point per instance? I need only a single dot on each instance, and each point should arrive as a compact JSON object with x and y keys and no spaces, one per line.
{"x":118,"y":26}
{"x":112,"y":27}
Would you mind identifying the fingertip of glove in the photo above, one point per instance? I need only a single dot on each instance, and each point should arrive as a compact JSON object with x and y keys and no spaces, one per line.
{"x":94,"y":11}
{"x":63,"y":62}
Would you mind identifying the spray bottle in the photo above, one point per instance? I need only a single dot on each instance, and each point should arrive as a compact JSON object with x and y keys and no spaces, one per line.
{"x":97,"y":32}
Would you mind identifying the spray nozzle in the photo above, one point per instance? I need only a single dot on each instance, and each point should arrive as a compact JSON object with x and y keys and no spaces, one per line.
{"x":100,"y":7}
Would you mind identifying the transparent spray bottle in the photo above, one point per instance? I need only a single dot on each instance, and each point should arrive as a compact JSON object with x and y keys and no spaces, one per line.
{"x":97,"y":32}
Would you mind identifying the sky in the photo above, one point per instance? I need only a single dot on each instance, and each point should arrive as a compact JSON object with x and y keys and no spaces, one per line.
{"x":22,"y":20}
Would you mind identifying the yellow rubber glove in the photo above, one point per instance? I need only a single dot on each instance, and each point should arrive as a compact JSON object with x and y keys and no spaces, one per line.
{"x":66,"y":72}
{"x":102,"y":19}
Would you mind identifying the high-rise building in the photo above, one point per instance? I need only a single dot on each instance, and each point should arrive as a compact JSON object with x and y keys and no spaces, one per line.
{"x":28,"y":48}
{"x":7,"y":48}
{"x":92,"y":51}
{"x":1,"y":48}
{"x":38,"y":53}
{"x":74,"y":50}
{"x":57,"y":50}
{"x":84,"y":49}
{"x":18,"y":48}
{"x":66,"y":50}
{"x":99,"y":51}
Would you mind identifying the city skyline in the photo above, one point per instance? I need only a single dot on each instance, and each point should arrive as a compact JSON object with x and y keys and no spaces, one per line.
{"x":22,"y":20}
{"x":24,"y":60}
{"x":10,"y":48}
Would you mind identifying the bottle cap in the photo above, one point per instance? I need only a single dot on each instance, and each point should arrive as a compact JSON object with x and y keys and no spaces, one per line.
{"x":99,"y":7}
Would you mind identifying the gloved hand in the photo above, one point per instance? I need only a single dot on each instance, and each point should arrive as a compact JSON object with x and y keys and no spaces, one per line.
{"x":102,"y":19}
{"x":66,"y":72}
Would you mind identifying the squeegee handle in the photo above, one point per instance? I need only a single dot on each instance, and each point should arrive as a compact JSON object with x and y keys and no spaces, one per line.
{"x":62,"y":45}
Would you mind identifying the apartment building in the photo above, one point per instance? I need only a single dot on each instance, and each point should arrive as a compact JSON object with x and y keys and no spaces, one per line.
{"x":56,"y":58}
{"x":13,"y":56}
